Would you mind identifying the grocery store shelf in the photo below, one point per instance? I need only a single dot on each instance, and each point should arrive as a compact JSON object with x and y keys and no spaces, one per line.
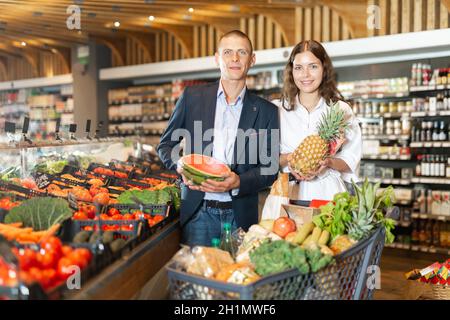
{"x":124,"y":102}
{"x":387,"y":157}
{"x":429,"y":88}
{"x":404,"y":224}
{"x":403,"y":182}
{"x":380,"y":96}
{"x":421,"y":114}
{"x":441,"y":217}
{"x":386,"y":137}
{"x":37,"y":82}
{"x":435,"y":144}
{"x":431,"y":180}
{"x":419,"y":248}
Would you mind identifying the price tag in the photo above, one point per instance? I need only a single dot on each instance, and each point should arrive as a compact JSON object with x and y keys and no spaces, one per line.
{"x":10,"y":127}
{"x":72,"y":201}
{"x":42,"y":180}
{"x":58,"y":125}
{"x":88,"y":125}
{"x":72,"y":128}
{"x":26,"y":124}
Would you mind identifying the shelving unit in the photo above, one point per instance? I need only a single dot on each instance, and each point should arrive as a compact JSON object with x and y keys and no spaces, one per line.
{"x":43,"y":100}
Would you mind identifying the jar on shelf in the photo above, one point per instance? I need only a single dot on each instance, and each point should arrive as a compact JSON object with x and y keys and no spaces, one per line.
{"x":383,"y":107}
{"x":367,"y":109}
{"x":375,"y":107}
{"x":406,"y":126}
{"x":409,"y":106}
{"x":401,"y":106}
{"x":397,"y":128}
{"x":393,"y":107}
{"x":389,"y":127}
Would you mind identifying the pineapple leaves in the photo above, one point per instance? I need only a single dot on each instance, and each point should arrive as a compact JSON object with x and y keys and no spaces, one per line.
{"x":358,"y":215}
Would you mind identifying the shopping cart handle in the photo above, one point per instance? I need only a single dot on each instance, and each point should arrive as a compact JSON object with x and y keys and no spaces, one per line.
{"x":393,"y":213}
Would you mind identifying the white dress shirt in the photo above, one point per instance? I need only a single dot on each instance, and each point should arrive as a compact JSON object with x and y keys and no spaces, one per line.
{"x":296,"y":125}
{"x":226,"y":124}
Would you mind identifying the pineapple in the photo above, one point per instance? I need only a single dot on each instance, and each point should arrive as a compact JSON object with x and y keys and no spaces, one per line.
{"x":315,"y":148}
{"x":363,"y":219}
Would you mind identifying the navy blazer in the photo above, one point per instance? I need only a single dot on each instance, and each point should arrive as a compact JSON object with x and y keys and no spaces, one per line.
{"x":198,"y":104}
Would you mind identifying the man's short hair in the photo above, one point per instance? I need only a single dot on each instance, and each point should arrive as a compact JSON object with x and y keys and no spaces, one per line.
{"x":237,"y":33}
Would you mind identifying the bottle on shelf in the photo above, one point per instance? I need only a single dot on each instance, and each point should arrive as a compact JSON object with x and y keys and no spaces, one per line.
{"x":415,"y":238}
{"x":436,"y":234}
{"x":418,"y":171}
{"x":447,"y":170}
{"x":429,"y":232}
{"x":422,"y":232}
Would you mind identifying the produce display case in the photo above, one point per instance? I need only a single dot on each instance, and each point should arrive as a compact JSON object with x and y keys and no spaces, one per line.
{"x":141,"y":239}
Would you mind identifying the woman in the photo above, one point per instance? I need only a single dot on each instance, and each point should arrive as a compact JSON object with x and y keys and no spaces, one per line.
{"x":309,"y":89}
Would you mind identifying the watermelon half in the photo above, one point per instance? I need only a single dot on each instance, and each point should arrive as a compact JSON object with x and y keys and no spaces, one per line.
{"x":198,"y":168}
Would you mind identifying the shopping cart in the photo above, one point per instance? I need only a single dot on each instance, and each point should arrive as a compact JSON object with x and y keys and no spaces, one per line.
{"x":352,"y":276}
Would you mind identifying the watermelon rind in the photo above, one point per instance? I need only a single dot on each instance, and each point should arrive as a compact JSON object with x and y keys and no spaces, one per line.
{"x":202,"y":173}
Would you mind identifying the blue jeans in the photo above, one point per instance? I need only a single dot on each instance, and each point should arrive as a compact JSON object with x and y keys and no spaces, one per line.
{"x":206,"y":224}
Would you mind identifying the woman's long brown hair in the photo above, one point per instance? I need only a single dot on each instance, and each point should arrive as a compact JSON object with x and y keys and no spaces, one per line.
{"x":327,"y":89}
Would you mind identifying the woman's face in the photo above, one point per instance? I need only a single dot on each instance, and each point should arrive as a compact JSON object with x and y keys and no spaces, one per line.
{"x":307,"y":71}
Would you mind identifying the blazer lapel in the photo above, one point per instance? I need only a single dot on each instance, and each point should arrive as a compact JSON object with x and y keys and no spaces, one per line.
{"x":247,"y":120}
{"x":208,"y":115}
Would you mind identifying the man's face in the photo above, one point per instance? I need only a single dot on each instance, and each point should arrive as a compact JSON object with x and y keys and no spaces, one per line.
{"x":234,"y":58}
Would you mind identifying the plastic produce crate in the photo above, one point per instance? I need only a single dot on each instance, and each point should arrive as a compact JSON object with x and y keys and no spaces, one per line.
{"x":343,"y":280}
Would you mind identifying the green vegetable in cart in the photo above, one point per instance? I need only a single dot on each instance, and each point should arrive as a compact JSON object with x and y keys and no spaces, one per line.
{"x":40,"y":213}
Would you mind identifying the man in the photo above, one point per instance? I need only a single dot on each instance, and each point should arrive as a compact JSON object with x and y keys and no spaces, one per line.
{"x":228,"y":109}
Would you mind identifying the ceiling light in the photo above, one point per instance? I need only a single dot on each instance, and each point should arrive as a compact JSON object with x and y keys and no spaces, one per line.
{"x":23,"y":43}
{"x":117,"y":24}
{"x":191,"y":10}
{"x":54,"y":50}
{"x":151,"y":18}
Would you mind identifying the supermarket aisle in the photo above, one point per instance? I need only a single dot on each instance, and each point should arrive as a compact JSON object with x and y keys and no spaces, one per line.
{"x":394,"y":265}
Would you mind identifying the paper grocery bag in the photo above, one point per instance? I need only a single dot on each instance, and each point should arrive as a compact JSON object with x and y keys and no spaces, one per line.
{"x":272,"y":207}
{"x":279,"y":195}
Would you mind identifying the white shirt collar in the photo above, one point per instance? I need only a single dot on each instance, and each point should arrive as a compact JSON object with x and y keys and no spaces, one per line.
{"x":241,"y":95}
{"x":319,"y":105}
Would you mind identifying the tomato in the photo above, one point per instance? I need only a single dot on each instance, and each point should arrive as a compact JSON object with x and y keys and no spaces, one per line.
{"x":101,"y":198}
{"x":158,"y":218}
{"x":78,"y":258}
{"x":79,"y":215}
{"x":65,"y":268}
{"x":66,"y":250}
{"x":47,"y":258}
{"x":86,"y":253}
{"x":89,"y":209}
{"x":127,"y":228}
{"x":49,"y":278}
{"x":27,"y":259}
{"x":128,"y":216}
{"x":117,"y":217}
{"x":104,"y":216}
{"x":113,"y":211}
{"x":52,"y":244}
{"x":36,"y":274}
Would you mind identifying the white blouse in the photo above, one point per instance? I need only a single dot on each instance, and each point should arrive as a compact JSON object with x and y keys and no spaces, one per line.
{"x":296,"y":125}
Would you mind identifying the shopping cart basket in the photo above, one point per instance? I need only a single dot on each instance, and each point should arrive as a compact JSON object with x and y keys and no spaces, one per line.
{"x":346,"y":279}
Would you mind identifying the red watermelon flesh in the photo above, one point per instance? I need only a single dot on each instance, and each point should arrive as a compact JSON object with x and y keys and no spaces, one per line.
{"x":204,"y":166}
